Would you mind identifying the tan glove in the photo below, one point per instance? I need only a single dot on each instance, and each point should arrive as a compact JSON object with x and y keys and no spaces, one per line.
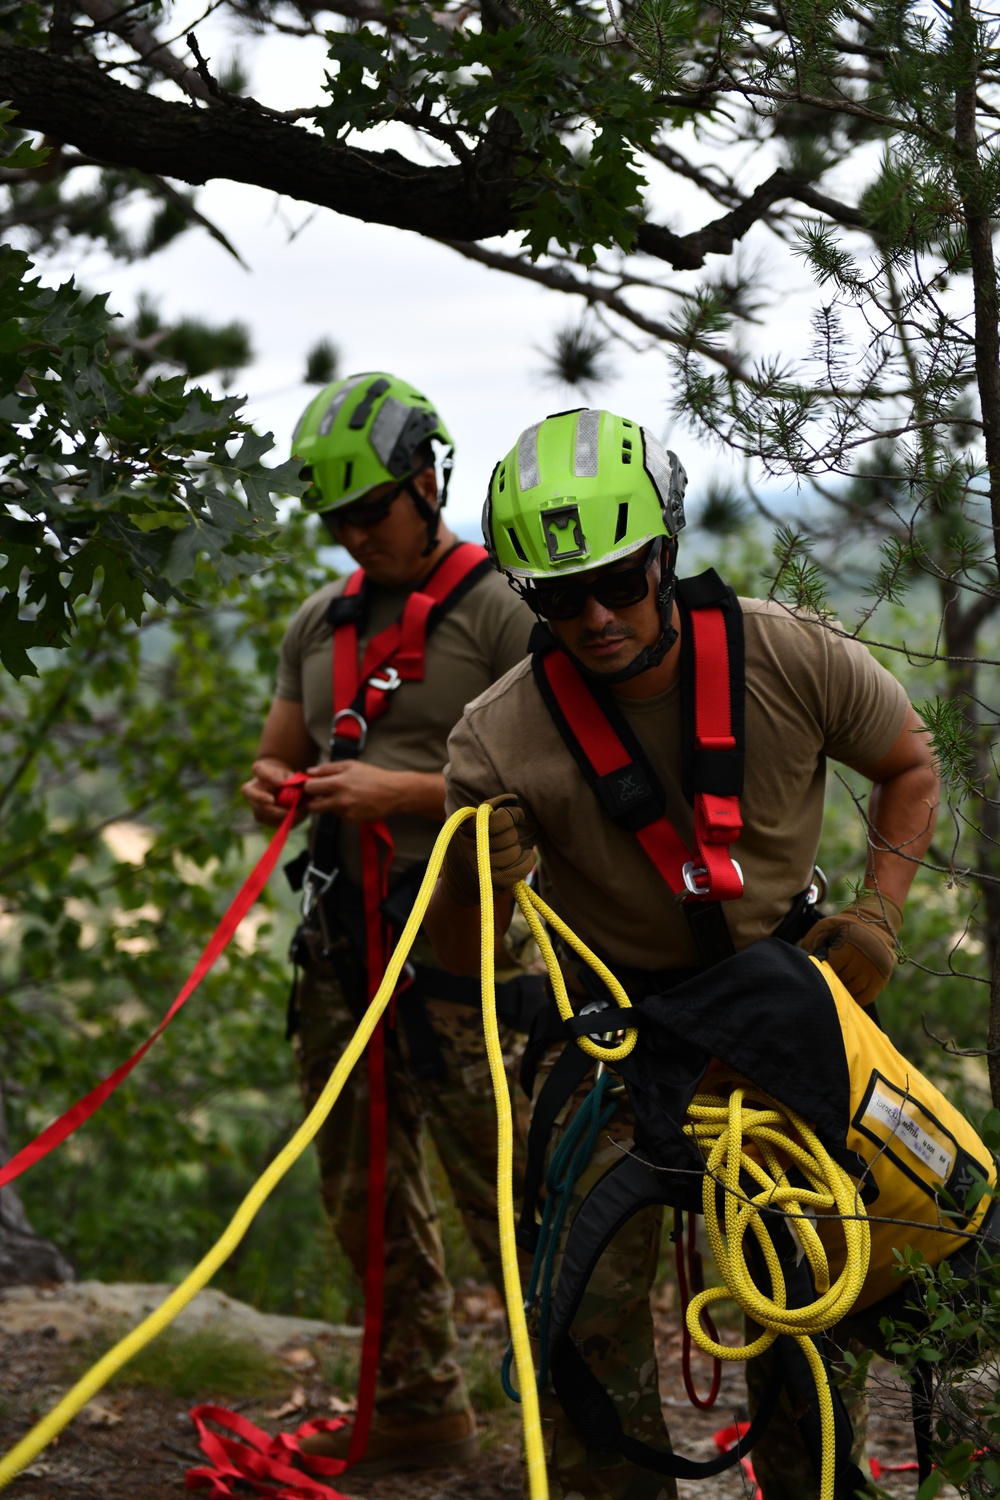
{"x":510,"y":859}
{"x":862,"y":944}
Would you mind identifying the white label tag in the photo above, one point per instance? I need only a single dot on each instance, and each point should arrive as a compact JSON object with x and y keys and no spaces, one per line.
{"x":893,"y":1117}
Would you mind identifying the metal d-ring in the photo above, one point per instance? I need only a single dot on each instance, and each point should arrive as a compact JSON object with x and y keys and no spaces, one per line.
{"x":362,"y":723}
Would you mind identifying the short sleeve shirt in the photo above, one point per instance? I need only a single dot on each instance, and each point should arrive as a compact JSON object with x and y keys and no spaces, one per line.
{"x":810,"y":694}
{"x":478,"y":641}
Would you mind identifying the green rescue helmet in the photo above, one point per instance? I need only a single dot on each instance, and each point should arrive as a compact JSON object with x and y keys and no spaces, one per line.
{"x":365,"y":431}
{"x":578,"y":490}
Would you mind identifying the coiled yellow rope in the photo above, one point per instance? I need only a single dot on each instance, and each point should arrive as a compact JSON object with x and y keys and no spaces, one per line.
{"x":741,"y":1130}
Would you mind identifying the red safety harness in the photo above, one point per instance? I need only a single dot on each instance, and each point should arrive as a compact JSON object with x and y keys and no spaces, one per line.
{"x":362,"y":693}
{"x":619,"y":773}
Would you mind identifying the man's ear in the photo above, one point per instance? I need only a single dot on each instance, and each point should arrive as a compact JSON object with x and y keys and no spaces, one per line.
{"x":426,"y":484}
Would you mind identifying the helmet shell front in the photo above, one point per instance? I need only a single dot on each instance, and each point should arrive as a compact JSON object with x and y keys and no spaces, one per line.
{"x":362,"y":432}
{"x":579,"y":490}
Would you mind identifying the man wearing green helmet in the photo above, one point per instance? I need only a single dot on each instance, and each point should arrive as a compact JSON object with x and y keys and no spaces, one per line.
{"x":389,"y":657}
{"x":674,"y":791}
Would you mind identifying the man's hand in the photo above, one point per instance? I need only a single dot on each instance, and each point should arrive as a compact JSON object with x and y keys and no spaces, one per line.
{"x":510,"y":859}
{"x":862,"y":944}
{"x":269,"y":776}
{"x":355,"y":791}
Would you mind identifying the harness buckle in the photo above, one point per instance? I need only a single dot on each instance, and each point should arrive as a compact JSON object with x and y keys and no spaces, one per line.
{"x":315,"y":883}
{"x":388,"y":682}
{"x":362,"y":723}
{"x":698,"y":880}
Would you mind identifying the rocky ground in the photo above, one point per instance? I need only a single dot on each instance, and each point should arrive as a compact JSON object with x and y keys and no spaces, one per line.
{"x":137,"y":1440}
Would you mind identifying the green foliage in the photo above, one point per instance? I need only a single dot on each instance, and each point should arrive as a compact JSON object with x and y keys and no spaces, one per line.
{"x":322,"y":363}
{"x":112,"y":491}
{"x":951,"y":1325}
{"x":798,"y":579}
{"x":202,"y":1363}
{"x":581,"y":113}
{"x":122,"y":841}
{"x":578,"y":357}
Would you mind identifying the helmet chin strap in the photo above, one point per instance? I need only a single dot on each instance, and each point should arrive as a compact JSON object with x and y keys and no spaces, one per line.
{"x":429,"y":513}
{"x":649,"y":656}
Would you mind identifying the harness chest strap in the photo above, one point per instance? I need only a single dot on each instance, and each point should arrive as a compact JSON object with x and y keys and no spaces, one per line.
{"x":608,"y":753}
{"x":397,"y":654}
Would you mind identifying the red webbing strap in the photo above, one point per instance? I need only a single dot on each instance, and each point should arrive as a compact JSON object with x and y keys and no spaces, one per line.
{"x":345,"y":665}
{"x":690,"y":1279}
{"x":53,"y":1135}
{"x":376,"y":858}
{"x":253,"y":1461}
{"x":717,"y":820}
{"x":401,"y":646}
{"x":602,"y":747}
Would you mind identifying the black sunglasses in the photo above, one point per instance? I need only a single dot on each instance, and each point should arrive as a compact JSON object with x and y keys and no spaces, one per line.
{"x":615,"y":590}
{"x":364,"y":513}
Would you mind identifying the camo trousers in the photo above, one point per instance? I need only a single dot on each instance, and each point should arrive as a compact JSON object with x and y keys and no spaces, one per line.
{"x":613,"y":1329}
{"x":418,"y":1373}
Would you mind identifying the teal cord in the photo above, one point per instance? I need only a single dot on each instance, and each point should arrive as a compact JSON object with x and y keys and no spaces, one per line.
{"x":569,"y":1160}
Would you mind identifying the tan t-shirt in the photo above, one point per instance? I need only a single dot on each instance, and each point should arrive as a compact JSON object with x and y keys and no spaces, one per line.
{"x":479,"y":640}
{"x":810,"y":694}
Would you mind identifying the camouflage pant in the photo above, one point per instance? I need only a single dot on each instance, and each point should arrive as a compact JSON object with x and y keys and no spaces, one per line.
{"x":418,"y":1373}
{"x":613,"y":1329}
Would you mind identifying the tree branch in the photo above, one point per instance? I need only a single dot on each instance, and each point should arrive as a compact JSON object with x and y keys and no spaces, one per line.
{"x":148,"y":47}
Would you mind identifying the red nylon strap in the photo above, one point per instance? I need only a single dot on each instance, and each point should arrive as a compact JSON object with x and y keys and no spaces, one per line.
{"x":60,"y":1130}
{"x":401,"y":646}
{"x":597,"y":739}
{"x":252,"y":1460}
{"x":717,"y":820}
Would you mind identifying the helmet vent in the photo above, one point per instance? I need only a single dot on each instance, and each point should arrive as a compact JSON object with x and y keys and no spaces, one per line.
{"x":515,"y":543}
{"x":348,"y":472}
{"x":626,"y":453}
{"x":622,"y":524}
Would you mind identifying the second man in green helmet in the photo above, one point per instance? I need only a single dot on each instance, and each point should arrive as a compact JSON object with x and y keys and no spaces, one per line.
{"x":375,"y":670}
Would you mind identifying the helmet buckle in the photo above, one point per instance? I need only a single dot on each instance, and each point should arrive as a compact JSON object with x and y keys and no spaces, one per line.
{"x":563,"y":533}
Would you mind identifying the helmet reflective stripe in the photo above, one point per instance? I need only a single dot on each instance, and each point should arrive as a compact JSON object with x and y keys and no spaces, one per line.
{"x":330,"y":415}
{"x":585,"y":457}
{"x":668,"y":476}
{"x":527,"y":458}
{"x":387,"y":428}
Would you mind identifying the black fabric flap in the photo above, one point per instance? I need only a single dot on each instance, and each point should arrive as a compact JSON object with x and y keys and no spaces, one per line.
{"x":767,"y":1013}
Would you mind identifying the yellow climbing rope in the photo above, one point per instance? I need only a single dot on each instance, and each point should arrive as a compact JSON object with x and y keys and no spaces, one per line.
{"x":742,"y":1131}
{"x":722,"y":1123}
{"x":86,"y":1388}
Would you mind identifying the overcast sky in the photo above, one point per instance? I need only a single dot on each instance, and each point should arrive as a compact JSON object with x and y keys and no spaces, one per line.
{"x":468,"y":336}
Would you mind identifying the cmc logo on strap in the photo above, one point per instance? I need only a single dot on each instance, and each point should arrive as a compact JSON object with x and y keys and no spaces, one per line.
{"x":563,"y":533}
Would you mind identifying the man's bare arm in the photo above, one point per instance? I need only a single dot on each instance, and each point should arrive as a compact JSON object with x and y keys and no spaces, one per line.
{"x":902,"y":810}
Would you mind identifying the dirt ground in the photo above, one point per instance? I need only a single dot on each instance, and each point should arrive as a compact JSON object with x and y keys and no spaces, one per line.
{"x":139,"y":1443}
